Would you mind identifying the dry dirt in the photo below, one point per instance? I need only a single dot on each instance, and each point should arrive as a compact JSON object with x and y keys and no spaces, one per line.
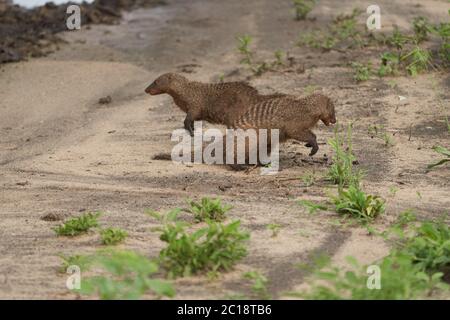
{"x":62,"y":153}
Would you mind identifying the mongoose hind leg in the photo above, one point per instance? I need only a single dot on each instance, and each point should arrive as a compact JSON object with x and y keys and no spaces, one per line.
{"x":311,"y":141}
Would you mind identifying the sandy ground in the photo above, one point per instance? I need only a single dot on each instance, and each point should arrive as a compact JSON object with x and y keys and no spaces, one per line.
{"x":63,"y":153}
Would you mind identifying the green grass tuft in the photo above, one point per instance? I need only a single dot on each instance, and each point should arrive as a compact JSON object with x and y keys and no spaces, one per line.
{"x":302,"y":8}
{"x":214,"y":248}
{"x":129,"y":275}
{"x":341,"y":172}
{"x":77,"y":226}
{"x":209,"y":209}
{"x":113,"y":236}
{"x":356,"y":203}
{"x":259,"y":286}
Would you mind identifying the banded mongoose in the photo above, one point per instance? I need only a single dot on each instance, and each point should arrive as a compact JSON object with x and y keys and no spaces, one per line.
{"x":219,"y":103}
{"x":294,"y":117}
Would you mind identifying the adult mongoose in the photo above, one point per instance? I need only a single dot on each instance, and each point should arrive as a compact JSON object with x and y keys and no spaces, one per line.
{"x":294,"y":117}
{"x":219,"y":103}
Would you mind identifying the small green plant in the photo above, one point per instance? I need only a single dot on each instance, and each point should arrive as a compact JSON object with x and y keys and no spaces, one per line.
{"x":76,"y":226}
{"x":128,"y":276}
{"x":362,"y":72}
{"x":279,"y":58}
{"x":318,"y":40}
{"x":393,"y":191}
{"x":257,"y":68}
{"x":430,"y":247}
{"x":398,"y":40}
{"x":443,"y":151}
{"x":311,"y":206}
{"x":209,"y":209}
{"x":381,"y":133}
{"x":419,"y":195}
{"x":390,"y":64}
{"x":213,"y":248}
{"x":341,"y":34}
{"x":414,"y":269}
{"x":400,"y":280}
{"x":112,"y":236}
{"x":421,"y":28}
{"x":244,"y":48}
{"x":356,"y":203}
{"x":344,"y":25}
{"x":275,"y":228}
{"x":259,"y":286}
{"x":341,"y":172}
{"x":417,"y":60}
{"x":443,"y":31}
{"x":302,"y":8}
{"x":81,"y":261}
{"x":388,"y":141}
{"x":170,"y":216}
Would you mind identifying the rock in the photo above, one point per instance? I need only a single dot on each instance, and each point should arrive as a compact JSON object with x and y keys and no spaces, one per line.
{"x":52,"y":217}
{"x":224,"y":187}
{"x":105,"y":100}
{"x":162,"y":156}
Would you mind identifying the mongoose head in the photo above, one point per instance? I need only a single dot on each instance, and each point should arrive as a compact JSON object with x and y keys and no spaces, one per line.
{"x":165,"y":84}
{"x":328,"y":115}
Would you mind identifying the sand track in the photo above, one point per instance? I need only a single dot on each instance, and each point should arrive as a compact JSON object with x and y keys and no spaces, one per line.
{"x":63,"y":153}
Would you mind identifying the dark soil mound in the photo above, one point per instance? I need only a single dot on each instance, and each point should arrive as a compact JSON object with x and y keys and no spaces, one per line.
{"x":25,"y":33}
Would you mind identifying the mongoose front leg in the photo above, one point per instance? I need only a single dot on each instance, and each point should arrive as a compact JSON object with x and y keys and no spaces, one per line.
{"x":310,"y":139}
{"x":189,"y":124}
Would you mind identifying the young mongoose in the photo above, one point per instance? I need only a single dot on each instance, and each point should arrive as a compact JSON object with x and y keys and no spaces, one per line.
{"x":293,"y":117}
{"x":219,"y":103}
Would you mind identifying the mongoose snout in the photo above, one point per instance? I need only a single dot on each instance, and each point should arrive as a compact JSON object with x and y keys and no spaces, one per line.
{"x":328,"y":116}
{"x":164,"y":83}
{"x":152,"y":89}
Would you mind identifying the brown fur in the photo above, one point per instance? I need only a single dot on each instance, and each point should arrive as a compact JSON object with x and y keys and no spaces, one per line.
{"x":293,"y":117}
{"x":220,"y":103}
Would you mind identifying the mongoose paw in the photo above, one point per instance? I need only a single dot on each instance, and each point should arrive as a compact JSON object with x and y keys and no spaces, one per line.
{"x":313,"y":151}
